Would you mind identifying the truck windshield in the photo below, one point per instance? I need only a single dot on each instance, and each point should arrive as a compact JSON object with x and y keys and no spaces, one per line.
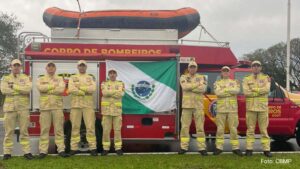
{"x":240,"y":76}
{"x":211,"y":78}
{"x":275,"y":91}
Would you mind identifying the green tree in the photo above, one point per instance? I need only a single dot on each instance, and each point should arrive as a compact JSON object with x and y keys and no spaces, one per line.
{"x":273,"y":60}
{"x":8,"y":42}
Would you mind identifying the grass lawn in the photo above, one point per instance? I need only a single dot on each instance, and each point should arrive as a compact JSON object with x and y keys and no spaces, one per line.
{"x":169,"y":161}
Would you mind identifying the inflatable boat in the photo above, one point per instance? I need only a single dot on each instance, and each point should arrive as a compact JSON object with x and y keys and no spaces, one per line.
{"x":184,"y":20}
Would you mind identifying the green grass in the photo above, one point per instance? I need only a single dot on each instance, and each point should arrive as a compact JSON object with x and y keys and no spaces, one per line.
{"x":170,"y":161}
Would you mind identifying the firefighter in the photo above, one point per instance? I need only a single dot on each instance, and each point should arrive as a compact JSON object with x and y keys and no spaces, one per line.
{"x":226,"y":90}
{"x":193,"y":87}
{"x":82,"y":87}
{"x":51,"y":88}
{"x":111,"y":108}
{"x":256,"y":87}
{"x":16,"y":87}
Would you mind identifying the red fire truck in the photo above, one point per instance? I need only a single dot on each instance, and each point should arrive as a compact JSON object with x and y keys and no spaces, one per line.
{"x":97,"y":45}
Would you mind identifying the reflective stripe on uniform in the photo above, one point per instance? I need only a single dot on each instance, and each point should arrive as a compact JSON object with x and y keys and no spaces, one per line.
{"x":9,"y":99}
{"x":250,"y":140}
{"x":119,"y":104}
{"x":104,"y":103}
{"x":44,"y":98}
{"x":185,"y":139}
{"x":24,"y":142}
{"x":234,"y":142}
{"x":265,"y":140}
{"x":105,"y":143}
{"x":44,"y":141}
{"x":59,"y":140}
{"x":201,"y":139}
{"x":9,"y":144}
{"x":118,"y":143}
{"x":220,"y":140}
{"x":91,"y":138}
{"x":263,"y":99}
{"x":75,"y":138}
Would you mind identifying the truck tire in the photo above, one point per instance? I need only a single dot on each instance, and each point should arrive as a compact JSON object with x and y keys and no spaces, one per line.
{"x":298,"y":135}
{"x":280,"y":138}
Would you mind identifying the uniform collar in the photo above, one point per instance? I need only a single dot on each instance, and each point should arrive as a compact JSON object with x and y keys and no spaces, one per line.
{"x":50,"y":75}
{"x":258,"y":75}
{"x":81,"y":74}
{"x":189,"y":75}
{"x":112,"y":81}
{"x":15,"y":76}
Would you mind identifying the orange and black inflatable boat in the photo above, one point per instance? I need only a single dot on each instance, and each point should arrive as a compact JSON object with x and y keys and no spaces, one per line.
{"x":184,"y":20}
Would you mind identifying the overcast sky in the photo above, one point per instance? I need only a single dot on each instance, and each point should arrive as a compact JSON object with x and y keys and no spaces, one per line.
{"x":246,"y":24}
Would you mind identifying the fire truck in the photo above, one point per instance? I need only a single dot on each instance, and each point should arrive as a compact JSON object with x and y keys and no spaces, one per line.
{"x":97,"y":45}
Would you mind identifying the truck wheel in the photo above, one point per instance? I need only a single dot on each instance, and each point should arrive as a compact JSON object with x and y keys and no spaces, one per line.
{"x":280,"y":138}
{"x":298,"y":135}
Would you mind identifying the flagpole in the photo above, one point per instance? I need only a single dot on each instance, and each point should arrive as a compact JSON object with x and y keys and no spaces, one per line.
{"x":288,"y":47}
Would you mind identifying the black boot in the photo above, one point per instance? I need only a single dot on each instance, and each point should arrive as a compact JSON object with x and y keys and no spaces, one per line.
{"x":28,"y":156}
{"x":119,"y":152}
{"x":249,"y":153}
{"x":63,"y":154}
{"x":203,"y":152}
{"x":267,"y":154}
{"x":73,"y":152}
{"x":217,"y":152}
{"x":6,"y":156}
{"x":104,"y":152}
{"x":237,"y":152}
{"x":94,"y":152}
{"x":42,"y":155}
{"x":182,"y":151}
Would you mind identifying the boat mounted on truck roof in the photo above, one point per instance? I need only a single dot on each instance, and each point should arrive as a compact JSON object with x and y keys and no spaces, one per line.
{"x":184,"y":20}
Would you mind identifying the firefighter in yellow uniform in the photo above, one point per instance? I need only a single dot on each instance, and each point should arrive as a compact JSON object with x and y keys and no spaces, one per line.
{"x":51,"y":88}
{"x":226,"y":90}
{"x":256,"y":88}
{"x":111,"y":108}
{"x":82,"y":87}
{"x":16,"y":87}
{"x":193,"y":87}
